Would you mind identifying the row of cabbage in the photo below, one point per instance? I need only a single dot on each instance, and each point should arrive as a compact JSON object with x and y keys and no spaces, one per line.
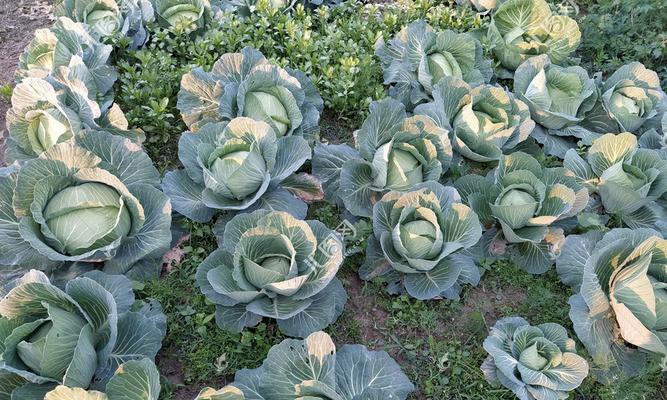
{"x":253,"y":126}
{"x":82,"y":195}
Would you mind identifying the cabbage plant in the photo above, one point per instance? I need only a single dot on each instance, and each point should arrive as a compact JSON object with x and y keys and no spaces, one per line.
{"x":273,"y":265}
{"x":42,"y":116}
{"x":90,"y":335}
{"x":526,"y":201}
{"x":394,"y":152}
{"x":56,"y":47}
{"x":417,"y":238}
{"x":631,"y":100}
{"x":313,"y":369}
{"x":107,"y":18}
{"x":182,"y":15}
{"x":619,"y":310}
{"x":418,"y":57}
{"x":627,"y":179}
{"x":245,"y":84}
{"x":228,"y":392}
{"x":240,"y":166}
{"x":91,"y":201}
{"x":534,"y":362}
{"x":46,"y":112}
{"x":521,"y":29}
{"x":133,"y":380}
{"x":484,"y":122}
{"x":559,"y":99}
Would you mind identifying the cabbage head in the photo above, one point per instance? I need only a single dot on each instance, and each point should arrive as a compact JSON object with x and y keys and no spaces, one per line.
{"x":559,"y":98}
{"x":521,"y":29}
{"x":91,"y":201}
{"x":627,"y":179}
{"x":55,"y":47}
{"x":240,"y":166}
{"x":182,"y":15}
{"x":526,"y":201}
{"x":484,"y":122}
{"x":108,"y":18}
{"x":42,"y":117}
{"x":313,"y":369}
{"x":273,"y":265}
{"x":631,"y":100}
{"x":245,"y":84}
{"x":394,"y":152}
{"x":619,"y":310}
{"x":534,"y":362}
{"x":78,"y":342}
{"x":417,"y":238}
{"x":46,"y":112}
{"x":418,"y":57}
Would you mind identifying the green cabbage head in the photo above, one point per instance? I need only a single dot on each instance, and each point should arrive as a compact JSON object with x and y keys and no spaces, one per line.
{"x":627,"y":179}
{"x":559,"y":98}
{"x":521,"y":29}
{"x":312,"y":369}
{"x":619,"y":310}
{"x":109,"y":18}
{"x":484,"y":122}
{"x":417,"y":239}
{"x":104,"y":17}
{"x":92,"y":200}
{"x":394,"y":152}
{"x":245,"y":84}
{"x":418,"y":57}
{"x":631,"y":101}
{"x":276,"y":266}
{"x":182,"y":15}
{"x":525,"y":200}
{"x":91,"y":335}
{"x":240,"y":166}
{"x":534,"y":362}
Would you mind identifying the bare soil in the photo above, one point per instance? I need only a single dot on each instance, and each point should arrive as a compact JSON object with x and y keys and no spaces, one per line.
{"x":18,"y":21}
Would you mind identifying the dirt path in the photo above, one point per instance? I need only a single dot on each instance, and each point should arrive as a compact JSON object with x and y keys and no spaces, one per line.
{"x":18,"y":21}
